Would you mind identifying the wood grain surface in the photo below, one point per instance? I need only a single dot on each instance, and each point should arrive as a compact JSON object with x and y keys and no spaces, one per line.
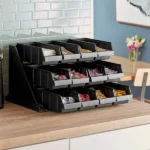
{"x":20,"y":126}
{"x":129,"y":67}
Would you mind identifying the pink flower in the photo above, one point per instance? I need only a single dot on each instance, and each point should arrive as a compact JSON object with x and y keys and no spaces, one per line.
{"x":128,"y":40}
{"x":132,"y":47}
{"x":133,"y":38}
{"x":138,"y":44}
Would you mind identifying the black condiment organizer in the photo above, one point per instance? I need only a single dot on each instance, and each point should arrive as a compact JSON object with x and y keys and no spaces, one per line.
{"x":32,"y":85}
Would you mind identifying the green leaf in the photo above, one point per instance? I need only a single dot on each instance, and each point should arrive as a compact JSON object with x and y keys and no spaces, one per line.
{"x":143,"y":40}
{"x":137,"y":37}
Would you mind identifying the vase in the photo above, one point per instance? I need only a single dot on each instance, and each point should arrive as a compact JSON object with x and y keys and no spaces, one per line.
{"x":133,"y":55}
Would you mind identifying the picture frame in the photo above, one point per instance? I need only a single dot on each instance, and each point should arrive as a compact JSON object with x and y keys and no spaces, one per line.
{"x":133,"y":12}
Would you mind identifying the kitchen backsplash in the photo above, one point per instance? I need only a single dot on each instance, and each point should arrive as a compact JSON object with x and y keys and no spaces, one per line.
{"x":40,"y":20}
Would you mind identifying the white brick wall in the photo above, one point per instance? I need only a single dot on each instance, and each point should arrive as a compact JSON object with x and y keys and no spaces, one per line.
{"x":37,"y":20}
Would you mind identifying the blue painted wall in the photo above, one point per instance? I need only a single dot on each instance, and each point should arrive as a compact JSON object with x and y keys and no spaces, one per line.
{"x":107,"y":28}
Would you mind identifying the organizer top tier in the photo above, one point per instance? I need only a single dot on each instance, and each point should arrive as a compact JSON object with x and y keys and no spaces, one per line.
{"x":66,"y":51}
{"x":103,"y":48}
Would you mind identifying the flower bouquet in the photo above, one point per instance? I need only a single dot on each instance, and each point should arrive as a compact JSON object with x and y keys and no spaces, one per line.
{"x":133,"y":44}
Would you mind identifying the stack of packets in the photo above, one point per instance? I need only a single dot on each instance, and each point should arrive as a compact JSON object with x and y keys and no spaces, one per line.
{"x":95,"y":72}
{"x":65,"y":51}
{"x":85,"y":50}
{"x":59,"y":77}
{"x":99,"y":94}
{"x":48,"y":52}
{"x":110,"y":71}
{"x":76,"y":75}
{"x":99,"y":49}
{"x":84,"y":97}
{"x":68,"y":100}
{"x":120,"y":93}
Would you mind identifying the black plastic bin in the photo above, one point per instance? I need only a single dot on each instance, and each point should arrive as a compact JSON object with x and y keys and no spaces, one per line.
{"x":52,"y":100}
{"x":125,"y":88}
{"x":70,"y":58}
{"x":77,"y":68}
{"x":108,"y":92}
{"x":94,"y":102}
{"x":42,"y":76}
{"x":116,"y":67}
{"x":85,"y":45}
{"x":95,"y":79}
{"x":34,"y":53}
{"x":107,"y":46}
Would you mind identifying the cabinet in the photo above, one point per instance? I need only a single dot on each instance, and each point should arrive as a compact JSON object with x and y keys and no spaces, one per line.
{"x":136,"y":138}
{"x":56,"y":145}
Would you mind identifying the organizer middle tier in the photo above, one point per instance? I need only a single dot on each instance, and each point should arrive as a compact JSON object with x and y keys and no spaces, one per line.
{"x":73,"y":75}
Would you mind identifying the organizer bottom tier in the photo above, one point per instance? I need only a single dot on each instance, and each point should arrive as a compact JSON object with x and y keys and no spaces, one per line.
{"x":77,"y":99}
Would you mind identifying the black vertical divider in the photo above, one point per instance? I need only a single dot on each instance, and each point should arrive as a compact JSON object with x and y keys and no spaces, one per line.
{"x":20,"y":90}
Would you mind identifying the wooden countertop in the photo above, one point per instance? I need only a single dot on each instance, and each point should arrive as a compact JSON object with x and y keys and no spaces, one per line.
{"x":129,"y":67}
{"x":20,"y":126}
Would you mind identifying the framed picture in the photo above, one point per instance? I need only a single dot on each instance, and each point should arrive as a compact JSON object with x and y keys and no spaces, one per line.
{"x":135,"y":12}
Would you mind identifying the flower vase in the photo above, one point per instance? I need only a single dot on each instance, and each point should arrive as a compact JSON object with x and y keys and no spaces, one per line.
{"x":133,"y":55}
